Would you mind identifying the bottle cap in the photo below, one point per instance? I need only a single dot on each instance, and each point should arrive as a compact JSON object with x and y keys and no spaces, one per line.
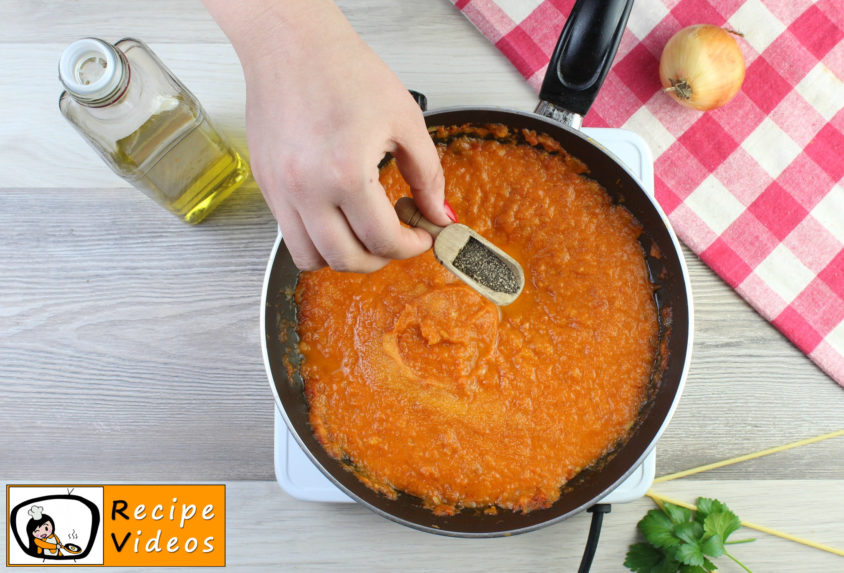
{"x":93,"y":71}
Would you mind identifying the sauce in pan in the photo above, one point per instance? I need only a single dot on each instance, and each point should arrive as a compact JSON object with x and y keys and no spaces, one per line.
{"x":425,"y":387}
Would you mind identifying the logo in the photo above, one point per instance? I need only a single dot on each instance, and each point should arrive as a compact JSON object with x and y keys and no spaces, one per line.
{"x":116,"y":525}
{"x":54,"y":525}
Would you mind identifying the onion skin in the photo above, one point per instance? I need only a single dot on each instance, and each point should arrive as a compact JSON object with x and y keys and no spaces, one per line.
{"x":702,"y":67}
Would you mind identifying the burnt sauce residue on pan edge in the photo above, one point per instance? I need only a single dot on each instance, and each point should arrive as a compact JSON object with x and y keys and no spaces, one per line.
{"x":502,"y":134}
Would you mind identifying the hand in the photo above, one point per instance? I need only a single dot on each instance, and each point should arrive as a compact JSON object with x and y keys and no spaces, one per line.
{"x":322,"y":110}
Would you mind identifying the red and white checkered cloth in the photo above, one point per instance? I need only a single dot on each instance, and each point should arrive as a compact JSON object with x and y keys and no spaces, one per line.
{"x":755,"y":188}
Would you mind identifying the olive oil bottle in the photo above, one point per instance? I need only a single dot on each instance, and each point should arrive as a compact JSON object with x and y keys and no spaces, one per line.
{"x":147,"y":126}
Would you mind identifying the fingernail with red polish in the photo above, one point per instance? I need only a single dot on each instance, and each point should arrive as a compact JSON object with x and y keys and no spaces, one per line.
{"x":449,"y":212}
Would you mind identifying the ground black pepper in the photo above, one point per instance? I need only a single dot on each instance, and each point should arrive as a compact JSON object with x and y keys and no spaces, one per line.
{"x":485,"y":267}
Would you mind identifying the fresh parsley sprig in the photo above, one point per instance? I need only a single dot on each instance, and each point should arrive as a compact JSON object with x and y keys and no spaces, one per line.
{"x":679,"y":540}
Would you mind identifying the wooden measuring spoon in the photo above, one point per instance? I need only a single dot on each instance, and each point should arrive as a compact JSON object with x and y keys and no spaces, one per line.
{"x":477,"y":262}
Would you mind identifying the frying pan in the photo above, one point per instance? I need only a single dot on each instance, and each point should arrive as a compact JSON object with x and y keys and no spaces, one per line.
{"x":580,"y":62}
{"x":71,"y":548}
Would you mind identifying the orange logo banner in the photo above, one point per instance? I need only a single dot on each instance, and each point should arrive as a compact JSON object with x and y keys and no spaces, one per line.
{"x":117,"y":525}
{"x":165,"y":525}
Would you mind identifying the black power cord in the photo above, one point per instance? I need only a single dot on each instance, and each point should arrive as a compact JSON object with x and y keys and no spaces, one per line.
{"x":598,"y":510}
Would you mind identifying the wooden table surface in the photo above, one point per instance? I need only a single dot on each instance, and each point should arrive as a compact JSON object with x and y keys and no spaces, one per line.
{"x":130,"y":344}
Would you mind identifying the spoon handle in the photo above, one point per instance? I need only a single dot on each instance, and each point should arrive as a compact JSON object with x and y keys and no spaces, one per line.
{"x":408,"y":213}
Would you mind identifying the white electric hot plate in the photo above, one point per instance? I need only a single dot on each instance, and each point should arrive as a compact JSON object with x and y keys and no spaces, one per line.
{"x":300,"y":478}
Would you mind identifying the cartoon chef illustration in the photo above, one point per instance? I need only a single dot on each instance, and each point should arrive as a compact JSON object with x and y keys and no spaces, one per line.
{"x":40,"y":531}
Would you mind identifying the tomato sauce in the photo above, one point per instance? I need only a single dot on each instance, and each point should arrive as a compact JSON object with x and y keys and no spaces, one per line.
{"x":430,"y":389}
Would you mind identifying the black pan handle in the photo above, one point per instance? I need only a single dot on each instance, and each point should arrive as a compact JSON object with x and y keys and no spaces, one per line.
{"x":420,"y":99}
{"x":584,"y":54}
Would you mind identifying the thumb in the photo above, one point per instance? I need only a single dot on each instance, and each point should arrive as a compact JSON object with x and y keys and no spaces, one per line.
{"x":419,"y":164}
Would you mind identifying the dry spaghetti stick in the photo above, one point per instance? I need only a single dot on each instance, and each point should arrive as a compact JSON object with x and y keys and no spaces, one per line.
{"x":746,"y":457}
{"x":660,"y":499}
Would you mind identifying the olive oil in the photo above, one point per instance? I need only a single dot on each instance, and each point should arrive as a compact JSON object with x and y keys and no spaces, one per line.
{"x":182,"y":163}
{"x":148,"y":127}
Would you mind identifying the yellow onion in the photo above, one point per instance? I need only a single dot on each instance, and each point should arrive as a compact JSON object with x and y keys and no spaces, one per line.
{"x":702,"y":67}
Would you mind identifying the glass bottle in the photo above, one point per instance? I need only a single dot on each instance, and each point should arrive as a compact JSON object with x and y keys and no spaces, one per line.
{"x":147,"y":126}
